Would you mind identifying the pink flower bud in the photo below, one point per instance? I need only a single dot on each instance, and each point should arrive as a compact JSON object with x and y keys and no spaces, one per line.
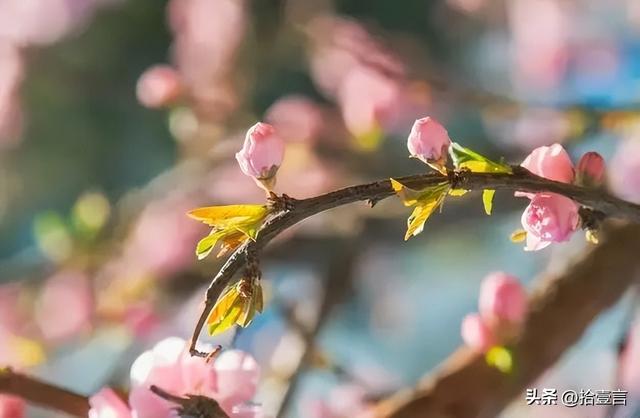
{"x":107,"y":404}
{"x":550,"y":162}
{"x":262,"y":152}
{"x":159,"y":86}
{"x":429,"y":141}
{"x":502,"y":299}
{"x":476,"y":334}
{"x":590,"y":170}
{"x":549,"y":218}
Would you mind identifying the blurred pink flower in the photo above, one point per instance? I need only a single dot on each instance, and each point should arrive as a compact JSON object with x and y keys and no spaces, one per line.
{"x":107,"y":404}
{"x":207,"y":37}
{"x":429,"y":141}
{"x":11,"y":315}
{"x":540,"y":41}
{"x":43,"y":22}
{"x":159,"y":86}
{"x":12,"y":406}
{"x":11,"y":76}
{"x":341,"y":45}
{"x":64,"y":307}
{"x":262,"y":152}
{"x":551,"y":162}
{"x":367,"y":99}
{"x":231,"y":379}
{"x":141,"y":319}
{"x":502,"y":299}
{"x":163,"y":238}
{"x":549,"y":218}
{"x":624,"y":171}
{"x":295,"y":118}
{"x":476,"y":333}
{"x":590,"y":170}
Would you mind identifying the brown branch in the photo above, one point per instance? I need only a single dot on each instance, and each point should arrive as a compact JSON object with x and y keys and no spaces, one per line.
{"x":562,"y":308}
{"x":520,"y":180}
{"x":43,"y":394}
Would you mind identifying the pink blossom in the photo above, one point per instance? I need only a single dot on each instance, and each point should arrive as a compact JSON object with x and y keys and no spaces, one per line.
{"x":159,"y":86}
{"x":367,"y":99}
{"x":624,"y":174}
{"x":11,"y":406}
{"x":296,"y":118}
{"x":107,"y":404}
{"x":551,"y":162}
{"x":428,"y":141}
{"x":476,"y":333}
{"x":262,"y":152}
{"x":237,"y":375}
{"x":65,"y":305}
{"x":502,"y":299}
{"x":590,"y":170}
{"x":231,"y":379}
{"x":549,"y":218}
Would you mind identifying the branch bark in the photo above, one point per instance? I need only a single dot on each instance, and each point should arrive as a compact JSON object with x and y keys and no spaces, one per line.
{"x":43,"y":394}
{"x":562,"y":308}
{"x":520,"y":180}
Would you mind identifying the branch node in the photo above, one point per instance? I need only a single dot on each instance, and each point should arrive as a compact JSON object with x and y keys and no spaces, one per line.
{"x":282,"y":203}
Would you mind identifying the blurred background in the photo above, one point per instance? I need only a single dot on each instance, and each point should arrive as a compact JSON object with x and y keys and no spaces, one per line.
{"x":117,"y":117}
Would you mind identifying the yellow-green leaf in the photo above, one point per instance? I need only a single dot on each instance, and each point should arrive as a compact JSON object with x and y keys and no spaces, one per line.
{"x":487,"y":200}
{"x":225,"y":216}
{"x":409,"y":197}
{"x":237,"y":305}
{"x":424,"y":208}
{"x":465,"y":158}
{"x":206,"y":244}
{"x":226,"y":311}
{"x":501,"y":358}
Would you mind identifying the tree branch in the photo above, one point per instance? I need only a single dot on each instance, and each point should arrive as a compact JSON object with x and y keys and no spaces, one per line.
{"x":561,"y":309}
{"x":520,"y":180}
{"x":43,"y":394}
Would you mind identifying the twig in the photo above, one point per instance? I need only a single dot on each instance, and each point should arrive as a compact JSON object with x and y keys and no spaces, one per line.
{"x":43,"y":394}
{"x":561,"y":309}
{"x":520,"y":180}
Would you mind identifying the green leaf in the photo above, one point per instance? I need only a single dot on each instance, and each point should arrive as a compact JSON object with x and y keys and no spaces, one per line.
{"x":501,"y":358}
{"x":487,"y":200}
{"x":206,"y":244}
{"x":465,"y":158}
